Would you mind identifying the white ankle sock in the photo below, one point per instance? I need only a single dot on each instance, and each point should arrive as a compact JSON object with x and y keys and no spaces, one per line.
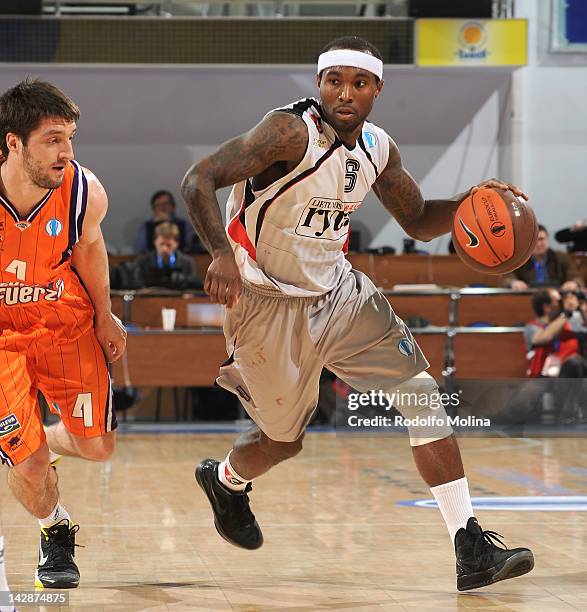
{"x":3,"y":581}
{"x":454,"y":503}
{"x":53,"y":457}
{"x":59,"y":513}
{"x":229,"y":478}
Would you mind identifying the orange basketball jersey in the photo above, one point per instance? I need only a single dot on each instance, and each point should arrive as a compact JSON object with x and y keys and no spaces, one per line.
{"x":39,"y":291}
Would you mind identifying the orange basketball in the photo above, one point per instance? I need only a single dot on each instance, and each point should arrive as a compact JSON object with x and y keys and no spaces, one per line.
{"x":494,"y":231}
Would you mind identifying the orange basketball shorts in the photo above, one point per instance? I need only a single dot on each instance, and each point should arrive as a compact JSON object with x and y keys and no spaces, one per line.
{"x":72,"y":376}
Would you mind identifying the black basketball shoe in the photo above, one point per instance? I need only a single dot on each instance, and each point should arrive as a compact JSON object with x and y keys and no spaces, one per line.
{"x":57,"y":569}
{"x":480,"y":562}
{"x":233,"y":518}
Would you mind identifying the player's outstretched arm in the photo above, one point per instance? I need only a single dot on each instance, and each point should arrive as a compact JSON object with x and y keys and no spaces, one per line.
{"x":401,"y":195}
{"x":421,"y":219}
{"x":280,"y":137}
{"x":91,"y":263}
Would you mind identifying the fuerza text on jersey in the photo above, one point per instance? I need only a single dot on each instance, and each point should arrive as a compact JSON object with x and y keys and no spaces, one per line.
{"x":12,"y":294}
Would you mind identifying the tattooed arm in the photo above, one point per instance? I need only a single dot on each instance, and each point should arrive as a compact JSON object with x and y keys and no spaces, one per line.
{"x":280,"y":137}
{"x":400,"y":194}
{"x":421,"y":219}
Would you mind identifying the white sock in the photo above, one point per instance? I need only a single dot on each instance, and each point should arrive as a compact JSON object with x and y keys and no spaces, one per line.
{"x":3,"y":581}
{"x":53,"y":457}
{"x":454,"y":503}
{"x":58,"y":514}
{"x":229,"y":478}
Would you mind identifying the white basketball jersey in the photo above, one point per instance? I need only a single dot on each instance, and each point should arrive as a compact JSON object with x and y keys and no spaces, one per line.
{"x":293,"y":235}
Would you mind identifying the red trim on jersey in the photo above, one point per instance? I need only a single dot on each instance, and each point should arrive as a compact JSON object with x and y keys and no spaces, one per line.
{"x":317,"y":122}
{"x":345,"y":246}
{"x":238,"y":232}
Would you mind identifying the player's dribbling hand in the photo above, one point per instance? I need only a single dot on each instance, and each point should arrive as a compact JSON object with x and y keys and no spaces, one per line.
{"x":111,"y":335}
{"x":223,"y":280}
{"x":497,"y":184}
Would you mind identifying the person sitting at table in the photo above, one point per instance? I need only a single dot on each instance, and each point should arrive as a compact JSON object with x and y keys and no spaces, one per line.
{"x":556,"y":345}
{"x":546,"y":268}
{"x":553,"y":338}
{"x":166,"y":266}
{"x":163,"y":207}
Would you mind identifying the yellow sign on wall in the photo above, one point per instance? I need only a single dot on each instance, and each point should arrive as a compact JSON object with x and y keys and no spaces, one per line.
{"x":461,"y":42}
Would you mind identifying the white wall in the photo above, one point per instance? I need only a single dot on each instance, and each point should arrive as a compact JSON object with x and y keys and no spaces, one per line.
{"x":554,"y":124}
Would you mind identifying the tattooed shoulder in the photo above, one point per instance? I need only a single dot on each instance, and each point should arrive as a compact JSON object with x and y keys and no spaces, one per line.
{"x":279,"y":137}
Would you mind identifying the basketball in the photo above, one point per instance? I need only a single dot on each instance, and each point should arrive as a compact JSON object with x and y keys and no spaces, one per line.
{"x":494,"y":231}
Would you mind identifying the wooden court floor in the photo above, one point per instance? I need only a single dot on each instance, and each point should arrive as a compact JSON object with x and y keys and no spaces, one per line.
{"x":334,"y":537}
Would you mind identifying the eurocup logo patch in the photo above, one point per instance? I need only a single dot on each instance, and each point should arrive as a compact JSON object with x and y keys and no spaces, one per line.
{"x":370,"y":139}
{"x":8,"y":424}
{"x":53,"y":227}
{"x":405,"y":347}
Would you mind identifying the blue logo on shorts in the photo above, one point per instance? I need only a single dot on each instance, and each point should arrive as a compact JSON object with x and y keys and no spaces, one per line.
{"x":405,"y":347}
{"x":8,"y":424}
{"x":370,"y":139}
{"x":53,"y":227}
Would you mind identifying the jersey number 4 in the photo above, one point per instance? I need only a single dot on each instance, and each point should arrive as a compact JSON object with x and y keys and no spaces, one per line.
{"x":18,"y":268}
{"x":83,"y":409}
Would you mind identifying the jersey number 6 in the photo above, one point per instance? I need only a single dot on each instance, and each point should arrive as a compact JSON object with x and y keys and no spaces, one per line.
{"x":350,"y":178}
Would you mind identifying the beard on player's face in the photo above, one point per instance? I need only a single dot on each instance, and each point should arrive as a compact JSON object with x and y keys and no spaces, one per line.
{"x":330,"y":106}
{"x":38,"y":172}
{"x":346,"y":126}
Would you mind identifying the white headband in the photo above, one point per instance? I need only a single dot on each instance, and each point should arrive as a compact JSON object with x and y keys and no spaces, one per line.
{"x":349,"y":57}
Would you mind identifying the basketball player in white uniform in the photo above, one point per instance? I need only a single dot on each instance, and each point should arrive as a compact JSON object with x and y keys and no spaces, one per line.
{"x":294,"y":305}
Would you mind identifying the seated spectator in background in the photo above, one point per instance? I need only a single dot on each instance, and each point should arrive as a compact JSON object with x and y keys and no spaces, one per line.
{"x":556,"y":345}
{"x":576,"y":235}
{"x":554,"y":337}
{"x":166,"y":266}
{"x":163,"y":205}
{"x":546,"y":268}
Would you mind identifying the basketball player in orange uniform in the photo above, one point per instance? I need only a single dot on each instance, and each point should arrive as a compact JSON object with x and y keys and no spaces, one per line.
{"x":57,"y":328}
{"x":296,"y":306}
